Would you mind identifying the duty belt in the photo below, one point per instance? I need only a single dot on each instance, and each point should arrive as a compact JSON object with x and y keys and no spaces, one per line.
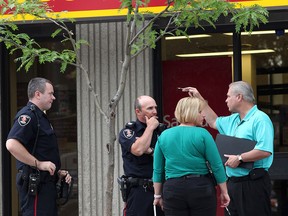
{"x":44,"y":176}
{"x":139,"y":182}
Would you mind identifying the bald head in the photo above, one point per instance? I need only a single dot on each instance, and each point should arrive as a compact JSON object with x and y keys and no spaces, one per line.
{"x":141,"y":100}
{"x":145,"y":106}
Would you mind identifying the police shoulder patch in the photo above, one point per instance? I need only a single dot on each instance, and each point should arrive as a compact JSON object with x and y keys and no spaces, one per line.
{"x":24,"y":120}
{"x":128,"y":133}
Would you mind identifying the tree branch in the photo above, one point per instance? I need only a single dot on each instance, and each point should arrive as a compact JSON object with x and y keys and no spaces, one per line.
{"x":160,"y":35}
{"x":150,"y":22}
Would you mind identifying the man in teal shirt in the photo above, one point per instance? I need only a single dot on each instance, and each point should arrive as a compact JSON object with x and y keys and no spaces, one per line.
{"x":249,"y":189}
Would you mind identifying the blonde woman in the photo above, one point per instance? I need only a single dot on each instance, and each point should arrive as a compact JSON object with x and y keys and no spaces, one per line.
{"x":180,"y":160}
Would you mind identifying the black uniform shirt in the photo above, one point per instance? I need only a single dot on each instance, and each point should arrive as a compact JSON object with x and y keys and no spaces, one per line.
{"x":136,"y":166}
{"x":25,"y":129}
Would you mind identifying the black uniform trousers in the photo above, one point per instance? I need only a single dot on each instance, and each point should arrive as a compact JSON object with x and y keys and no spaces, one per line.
{"x":249,"y":197}
{"x":192,"y":195}
{"x":140,"y":202}
{"x":44,"y":203}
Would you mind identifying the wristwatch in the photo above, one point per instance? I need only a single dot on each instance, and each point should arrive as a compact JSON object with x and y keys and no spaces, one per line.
{"x":240,"y":158}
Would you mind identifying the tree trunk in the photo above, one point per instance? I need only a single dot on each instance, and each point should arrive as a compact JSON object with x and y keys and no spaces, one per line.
{"x":111,"y":165}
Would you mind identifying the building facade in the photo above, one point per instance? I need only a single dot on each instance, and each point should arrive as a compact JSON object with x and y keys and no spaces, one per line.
{"x":81,"y":129}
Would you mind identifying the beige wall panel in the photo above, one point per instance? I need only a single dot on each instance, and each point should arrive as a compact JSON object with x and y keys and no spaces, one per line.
{"x":103,"y":59}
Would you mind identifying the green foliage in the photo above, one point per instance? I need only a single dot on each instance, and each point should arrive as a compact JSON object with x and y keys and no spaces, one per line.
{"x":56,"y":32}
{"x":79,"y":43}
{"x":180,"y":15}
{"x":28,"y":50}
{"x":15,"y":8}
{"x":248,"y":18}
{"x":184,"y":14}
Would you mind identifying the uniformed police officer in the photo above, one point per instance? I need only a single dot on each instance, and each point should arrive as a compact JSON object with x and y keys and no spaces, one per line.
{"x":33,"y":143}
{"x":137,"y":141}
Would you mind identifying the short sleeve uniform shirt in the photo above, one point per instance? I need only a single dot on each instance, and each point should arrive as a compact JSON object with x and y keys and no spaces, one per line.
{"x":25,"y":129}
{"x":135,"y":166}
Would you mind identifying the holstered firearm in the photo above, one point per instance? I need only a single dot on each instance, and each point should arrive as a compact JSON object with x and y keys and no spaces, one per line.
{"x":122,"y":181}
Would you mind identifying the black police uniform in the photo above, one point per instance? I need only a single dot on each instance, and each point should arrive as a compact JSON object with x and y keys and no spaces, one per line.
{"x":138,"y":170}
{"x":27,"y":122}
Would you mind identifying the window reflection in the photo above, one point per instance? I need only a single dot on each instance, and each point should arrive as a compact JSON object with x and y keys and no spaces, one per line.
{"x":264,"y":65}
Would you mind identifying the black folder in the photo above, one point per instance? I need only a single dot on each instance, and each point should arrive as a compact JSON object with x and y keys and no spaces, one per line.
{"x":234,"y":146}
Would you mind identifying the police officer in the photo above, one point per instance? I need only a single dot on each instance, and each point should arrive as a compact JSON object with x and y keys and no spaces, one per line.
{"x":32,"y":141}
{"x":137,"y":142}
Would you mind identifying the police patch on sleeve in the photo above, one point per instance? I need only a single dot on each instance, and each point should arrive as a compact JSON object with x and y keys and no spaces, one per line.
{"x":24,"y":120}
{"x":128,"y":133}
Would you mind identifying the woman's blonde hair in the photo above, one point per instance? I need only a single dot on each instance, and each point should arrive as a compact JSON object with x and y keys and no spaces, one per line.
{"x":188,"y":108}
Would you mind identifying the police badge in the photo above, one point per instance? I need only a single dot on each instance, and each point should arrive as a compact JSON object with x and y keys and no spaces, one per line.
{"x":24,"y":120}
{"x":128,"y":133}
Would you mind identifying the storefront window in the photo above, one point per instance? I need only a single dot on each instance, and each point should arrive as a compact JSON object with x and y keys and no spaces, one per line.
{"x":272,"y":79}
{"x":199,"y":46}
{"x":264,"y":65}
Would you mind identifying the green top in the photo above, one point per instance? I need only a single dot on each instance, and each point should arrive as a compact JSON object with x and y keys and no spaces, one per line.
{"x":184,"y":150}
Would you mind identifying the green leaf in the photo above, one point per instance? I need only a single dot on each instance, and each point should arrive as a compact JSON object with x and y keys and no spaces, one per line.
{"x":63,"y":67}
{"x":56,"y":32}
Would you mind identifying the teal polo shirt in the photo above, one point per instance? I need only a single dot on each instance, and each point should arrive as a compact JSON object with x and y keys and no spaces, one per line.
{"x":257,"y":126}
